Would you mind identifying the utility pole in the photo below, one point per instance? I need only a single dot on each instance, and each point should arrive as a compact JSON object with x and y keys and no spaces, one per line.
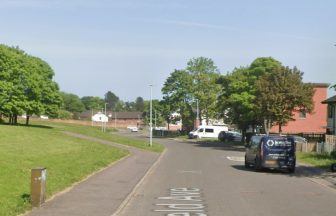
{"x":107,"y":119}
{"x":150,"y":118}
{"x":115,"y":119}
{"x":197,"y":114}
{"x":154,"y":119}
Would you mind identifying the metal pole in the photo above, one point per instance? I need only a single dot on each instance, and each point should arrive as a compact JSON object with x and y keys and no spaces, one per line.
{"x":105,"y":116}
{"x":150,"y":118}
{"x":197,"y":114}
{"x":115,"y":119}
{"x":154,"y":119}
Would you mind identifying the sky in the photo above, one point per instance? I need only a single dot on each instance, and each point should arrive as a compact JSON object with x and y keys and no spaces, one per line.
{"x":126,"y":45}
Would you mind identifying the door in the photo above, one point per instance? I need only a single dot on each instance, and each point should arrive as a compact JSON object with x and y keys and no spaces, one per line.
{"x":253,"y":149}
{"x":209,"y":133}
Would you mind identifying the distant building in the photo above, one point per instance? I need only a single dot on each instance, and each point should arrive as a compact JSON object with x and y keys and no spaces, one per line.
{"x":99,"y":117}
{"x":124,"y":119}
{"x":314,"y":122}
{"x":331,"y":115}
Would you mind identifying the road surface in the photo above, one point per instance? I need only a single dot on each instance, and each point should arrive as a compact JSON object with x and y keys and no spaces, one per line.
{"x":210,"y":179}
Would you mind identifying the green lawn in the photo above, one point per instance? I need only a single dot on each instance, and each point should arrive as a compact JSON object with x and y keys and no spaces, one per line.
{"x":108,"y":135}
{"x":322,"y":161}
{"x":66,"y":158}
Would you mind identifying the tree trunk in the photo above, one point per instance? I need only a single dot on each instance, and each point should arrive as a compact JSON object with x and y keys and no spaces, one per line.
{"x":280,"y":128}
{"x":267,"y":126}
{"x":10,"y":118}
{"x":27,"y":120}
{"x":15,"y":118}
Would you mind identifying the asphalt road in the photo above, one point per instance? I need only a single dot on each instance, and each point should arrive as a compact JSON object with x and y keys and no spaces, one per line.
{"x":210,"y":179}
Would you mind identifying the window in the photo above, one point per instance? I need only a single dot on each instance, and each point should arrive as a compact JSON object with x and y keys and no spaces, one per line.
{"x":255,"y":140}
{"x":209,"y":130}
{"x":200,"y":130}
{"x":302,"y":114}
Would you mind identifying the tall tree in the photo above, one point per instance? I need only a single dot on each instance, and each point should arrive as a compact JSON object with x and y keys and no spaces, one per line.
{"x":205,"y":88}
{"x":111,"y":99}
{"x":280,"y":93}
{"x":139,"y":104}
{"x":72,"y":103}
{"x":91,"y":102}
{"x":177,"y":90}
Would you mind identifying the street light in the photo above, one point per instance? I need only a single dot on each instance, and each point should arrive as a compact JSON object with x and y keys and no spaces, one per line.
{"x":150,"y":118}
{"x":107,"y":118}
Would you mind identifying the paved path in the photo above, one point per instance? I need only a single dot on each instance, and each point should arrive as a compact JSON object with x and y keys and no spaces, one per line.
{"x":101,"y":194}
{"x":210,"y":179}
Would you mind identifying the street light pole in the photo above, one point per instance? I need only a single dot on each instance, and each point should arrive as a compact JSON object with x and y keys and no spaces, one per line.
{"x":150,"y":118}
{"x":107,"y":118}
{"x":197,"y":114}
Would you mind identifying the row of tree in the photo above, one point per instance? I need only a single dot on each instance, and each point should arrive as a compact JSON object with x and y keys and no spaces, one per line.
{"x":264,"y":93}
{"x":26,"y":85}
{"x":73,"y":105}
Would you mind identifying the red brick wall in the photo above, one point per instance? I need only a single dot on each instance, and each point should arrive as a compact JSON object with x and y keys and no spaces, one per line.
{"x":313,"y":123}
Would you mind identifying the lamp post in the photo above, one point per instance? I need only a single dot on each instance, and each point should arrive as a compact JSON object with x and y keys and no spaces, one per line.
{"x":107,"y":119}
{"x":150,"y":118}
{"x":197,"y":114}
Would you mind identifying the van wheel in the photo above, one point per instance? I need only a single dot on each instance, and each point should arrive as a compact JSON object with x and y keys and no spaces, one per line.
{"x":247,"y":164}
{"x":257,"y":165}
{"x":333,"y":167}
{"x":291,"y":169}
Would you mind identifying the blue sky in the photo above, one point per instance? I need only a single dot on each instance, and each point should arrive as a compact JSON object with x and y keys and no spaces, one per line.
{"x":123,"y":46}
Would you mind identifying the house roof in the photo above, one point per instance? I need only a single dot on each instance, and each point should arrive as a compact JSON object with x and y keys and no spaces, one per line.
{"x":330,"y":100}
{"x":320,"y":85}
{"x":126,"y":115}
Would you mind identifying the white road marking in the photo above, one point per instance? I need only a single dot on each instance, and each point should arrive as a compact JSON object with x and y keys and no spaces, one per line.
{"x":191,"y":171}
{"x":235,"y":158}
{"x":191,"y":195}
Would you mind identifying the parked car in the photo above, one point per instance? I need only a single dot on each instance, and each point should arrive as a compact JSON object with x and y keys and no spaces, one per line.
{"x":132,"y":128}
{"x":229,"y":136}
{"x":276,"y":152}
{"x":207,"y":132}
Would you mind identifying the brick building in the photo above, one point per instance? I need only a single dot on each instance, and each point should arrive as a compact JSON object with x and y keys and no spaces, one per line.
{"x":314,"y":122}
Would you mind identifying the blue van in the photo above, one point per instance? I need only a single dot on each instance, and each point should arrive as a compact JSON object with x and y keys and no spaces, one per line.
{"x":271,"y":152}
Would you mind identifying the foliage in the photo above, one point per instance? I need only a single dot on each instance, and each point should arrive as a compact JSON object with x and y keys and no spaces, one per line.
{"x":63,"y":114}
{"x":111,"y":99}
{"x":177,"y":90}
{"x":139,"y":104}
{"x":72,"y":103}
{"x":205,"y":88}
{"x":281,"y":92}
{"x":91,"y":102}
{"x":26,"y":85}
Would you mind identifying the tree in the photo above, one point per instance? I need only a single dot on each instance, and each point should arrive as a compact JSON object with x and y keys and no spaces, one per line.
{"x":280,"y":93}
{"x":26,"y":85}
{"x":91,"y":102}
{"x":139,"y":104}
{"x":205,"y":88}
{"x":72,"y":103}
{"x":237,"y":99}
{"x":177,"y":90}
{"x":111,"y":99}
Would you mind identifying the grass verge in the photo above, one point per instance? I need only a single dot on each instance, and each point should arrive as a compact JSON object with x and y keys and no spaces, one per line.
{"x":323,"y":161}
{"x":109,"y":135}
{"x":67,"y":159}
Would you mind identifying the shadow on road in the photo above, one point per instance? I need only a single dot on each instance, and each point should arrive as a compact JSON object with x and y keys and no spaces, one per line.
{"x":220,"y":145}
{"x":301,"y":171}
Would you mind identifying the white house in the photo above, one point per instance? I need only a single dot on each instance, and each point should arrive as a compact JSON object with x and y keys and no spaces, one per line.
{"x":99,"y":117}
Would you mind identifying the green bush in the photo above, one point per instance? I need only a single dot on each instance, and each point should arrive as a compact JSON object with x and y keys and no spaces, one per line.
{"x":63,"y":114}
{"x":333,"y":154}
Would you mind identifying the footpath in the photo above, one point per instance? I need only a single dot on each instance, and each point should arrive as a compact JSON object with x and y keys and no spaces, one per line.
{"x":104,"y":192}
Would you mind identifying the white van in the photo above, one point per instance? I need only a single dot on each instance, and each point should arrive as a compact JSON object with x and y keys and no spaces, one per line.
{"x":205,"y":131}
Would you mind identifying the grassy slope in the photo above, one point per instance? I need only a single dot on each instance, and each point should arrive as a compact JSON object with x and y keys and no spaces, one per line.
{"x":67,"y":160}
{"x":96,"y":132}
{"x":321,"y":161}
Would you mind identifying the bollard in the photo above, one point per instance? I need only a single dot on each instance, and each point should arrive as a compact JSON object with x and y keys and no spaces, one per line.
{"x":38,"y":186}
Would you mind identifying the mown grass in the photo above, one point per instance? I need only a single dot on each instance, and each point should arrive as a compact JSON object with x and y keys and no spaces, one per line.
{"x":109,"y":135}
{"x":319,"y":160}
{"x":67,"y":160}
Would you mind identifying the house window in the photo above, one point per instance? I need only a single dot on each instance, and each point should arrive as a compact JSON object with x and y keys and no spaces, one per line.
{"x":302,"y":114}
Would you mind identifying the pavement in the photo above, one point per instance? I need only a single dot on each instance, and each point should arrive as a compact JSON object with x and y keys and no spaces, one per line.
{"x":195,"y":178}
{"x":103,"y":193}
